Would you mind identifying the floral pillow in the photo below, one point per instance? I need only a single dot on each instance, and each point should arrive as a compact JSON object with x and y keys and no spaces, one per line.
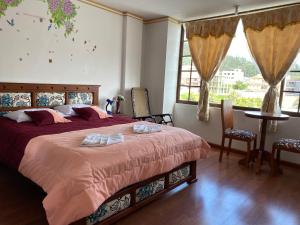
{"x":80,"y":98}
{"x":50,"y":99}
{"x":14,"y":99}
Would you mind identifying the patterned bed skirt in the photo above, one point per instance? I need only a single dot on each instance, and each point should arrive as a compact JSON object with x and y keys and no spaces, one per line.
{"x":142,"y":192}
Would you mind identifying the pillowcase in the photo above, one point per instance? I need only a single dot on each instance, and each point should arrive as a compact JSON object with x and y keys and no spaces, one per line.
{"x":58,"y":116}
{"x":87,"y":113}
{"x":67,"y":110}
{"x":46,"y":117}
{"x":41,"y":118}
{"x":102,"y":114}
{"x":20,"y":115}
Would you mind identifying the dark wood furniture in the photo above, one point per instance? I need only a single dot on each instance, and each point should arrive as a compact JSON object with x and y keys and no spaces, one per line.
{"x":36,"y":88}
{"x":132,"y":191}
{"x":33,"y":89}
{"x":264,"y":117}
{"x":234,"y":134}
{"x":284,"y":144}
{"x":141,"y":108}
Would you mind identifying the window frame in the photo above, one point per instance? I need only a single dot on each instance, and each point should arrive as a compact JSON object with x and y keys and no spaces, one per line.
{"x":282,"y":91}
{"x":293,"y":114}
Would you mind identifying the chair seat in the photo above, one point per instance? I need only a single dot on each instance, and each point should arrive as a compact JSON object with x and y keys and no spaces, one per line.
{"x":240,"y":134}
{"x":291,"y":145}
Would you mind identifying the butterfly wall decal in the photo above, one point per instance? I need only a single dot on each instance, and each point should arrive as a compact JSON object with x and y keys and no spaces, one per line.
{"x":11,"y":22}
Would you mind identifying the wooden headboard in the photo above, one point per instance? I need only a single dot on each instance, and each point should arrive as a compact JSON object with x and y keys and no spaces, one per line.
{"x":32,"y":91}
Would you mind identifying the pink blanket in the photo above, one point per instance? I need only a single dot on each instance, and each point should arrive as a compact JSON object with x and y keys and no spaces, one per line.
{"x":79,"y":179}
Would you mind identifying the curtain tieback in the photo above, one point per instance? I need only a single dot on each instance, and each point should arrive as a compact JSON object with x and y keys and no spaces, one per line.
{"x":273,"y":86}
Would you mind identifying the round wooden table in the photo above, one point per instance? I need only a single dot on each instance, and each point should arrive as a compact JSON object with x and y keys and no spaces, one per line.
{"x":264,"y":117}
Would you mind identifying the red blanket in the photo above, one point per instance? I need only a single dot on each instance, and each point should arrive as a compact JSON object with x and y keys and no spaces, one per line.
{"x":15,"y":136}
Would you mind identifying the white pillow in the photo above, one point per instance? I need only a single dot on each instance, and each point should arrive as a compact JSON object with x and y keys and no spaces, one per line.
{"x":20,"y":115}
{"x":67,"y":110}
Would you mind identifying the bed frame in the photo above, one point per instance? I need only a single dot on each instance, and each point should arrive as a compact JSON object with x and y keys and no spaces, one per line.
{"x":33,"y":89}
{"x":132,"y":191}
{"x":171,"y":179}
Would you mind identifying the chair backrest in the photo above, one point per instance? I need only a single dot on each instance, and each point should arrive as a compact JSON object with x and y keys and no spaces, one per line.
{"x":226,"y":114}
{"x":140,"y":102}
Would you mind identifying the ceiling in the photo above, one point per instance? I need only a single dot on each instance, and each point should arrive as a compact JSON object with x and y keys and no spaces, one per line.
{"x":187,"y":9}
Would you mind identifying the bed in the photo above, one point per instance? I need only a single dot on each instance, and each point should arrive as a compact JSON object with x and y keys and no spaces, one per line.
{"x":92,"y":185}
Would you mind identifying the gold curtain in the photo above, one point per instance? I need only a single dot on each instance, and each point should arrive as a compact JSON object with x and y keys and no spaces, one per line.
{"x":274,"y":41}
{"x":209,"y":42}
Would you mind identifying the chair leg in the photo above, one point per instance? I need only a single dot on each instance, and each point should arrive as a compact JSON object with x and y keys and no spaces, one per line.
{"x":278,"y":169}
{"x":222,"y":149}
{"x":248,"y":152}
{"x":273,"y":164}
{"x":229,"y":146}
{"x":254,"y":153}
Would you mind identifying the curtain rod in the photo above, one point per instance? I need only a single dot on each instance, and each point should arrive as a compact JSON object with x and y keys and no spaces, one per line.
{"x":244,"y":12}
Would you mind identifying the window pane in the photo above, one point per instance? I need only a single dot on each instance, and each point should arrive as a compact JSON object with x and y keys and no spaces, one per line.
{"x":186,"y":49}
{"x":194,"y":95}
{"x":290,"y":102}
{"x":195,"y":81}
{"x":184,"y":93}
{"x":296,"y":64}
{"x":186,"y":63}
{"x":292,"y":81}
{"x":238,"y":77}
{"x":185,"y":78}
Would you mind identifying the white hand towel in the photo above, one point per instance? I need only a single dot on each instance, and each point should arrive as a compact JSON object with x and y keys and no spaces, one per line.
{"x":99,"y":140}
{"x":144,"y":129}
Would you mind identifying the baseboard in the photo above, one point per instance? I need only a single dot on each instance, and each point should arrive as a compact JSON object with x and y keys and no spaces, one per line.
{"x":241,"y":152}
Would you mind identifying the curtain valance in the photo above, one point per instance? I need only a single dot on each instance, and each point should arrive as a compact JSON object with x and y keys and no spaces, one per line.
{"x":216,"y":28}
{"x":278,"y":17}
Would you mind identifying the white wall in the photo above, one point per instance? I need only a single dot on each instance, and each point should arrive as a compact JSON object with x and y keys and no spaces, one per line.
{"x":185,"y":117}
{"x":160,"y":64}
{"x":132,"y":59}
{"x":153,"y":62}
{"x":74,"y":62}
{"x":171,"y":66}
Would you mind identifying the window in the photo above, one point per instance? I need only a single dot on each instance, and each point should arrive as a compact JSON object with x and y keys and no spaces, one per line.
{"x":290,"y":94}
{"x":189,"y":80}
{"x":238,"y":78}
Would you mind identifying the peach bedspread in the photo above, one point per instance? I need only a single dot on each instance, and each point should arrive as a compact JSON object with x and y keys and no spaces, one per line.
{"x":78,"y":180}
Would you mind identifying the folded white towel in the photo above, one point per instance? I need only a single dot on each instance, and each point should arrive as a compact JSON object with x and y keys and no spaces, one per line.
{"x":144,"y":129}
{"x":98,"y":140}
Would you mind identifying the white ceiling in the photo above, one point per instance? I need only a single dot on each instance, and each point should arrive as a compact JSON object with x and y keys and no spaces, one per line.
{"x":187,"y":9}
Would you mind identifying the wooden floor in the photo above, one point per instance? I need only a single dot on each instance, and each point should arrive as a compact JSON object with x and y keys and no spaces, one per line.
{"x":225,"y":194}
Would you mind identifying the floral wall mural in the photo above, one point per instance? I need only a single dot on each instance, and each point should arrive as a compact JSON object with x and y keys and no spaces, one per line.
{"x":62,"y":12}
{"x":4,"y":4}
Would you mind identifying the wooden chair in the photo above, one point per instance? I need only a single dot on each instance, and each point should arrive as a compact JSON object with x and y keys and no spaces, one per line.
{"x":141,"y":108}
{"x":284,"y":144}
{"x":234,"y":134}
